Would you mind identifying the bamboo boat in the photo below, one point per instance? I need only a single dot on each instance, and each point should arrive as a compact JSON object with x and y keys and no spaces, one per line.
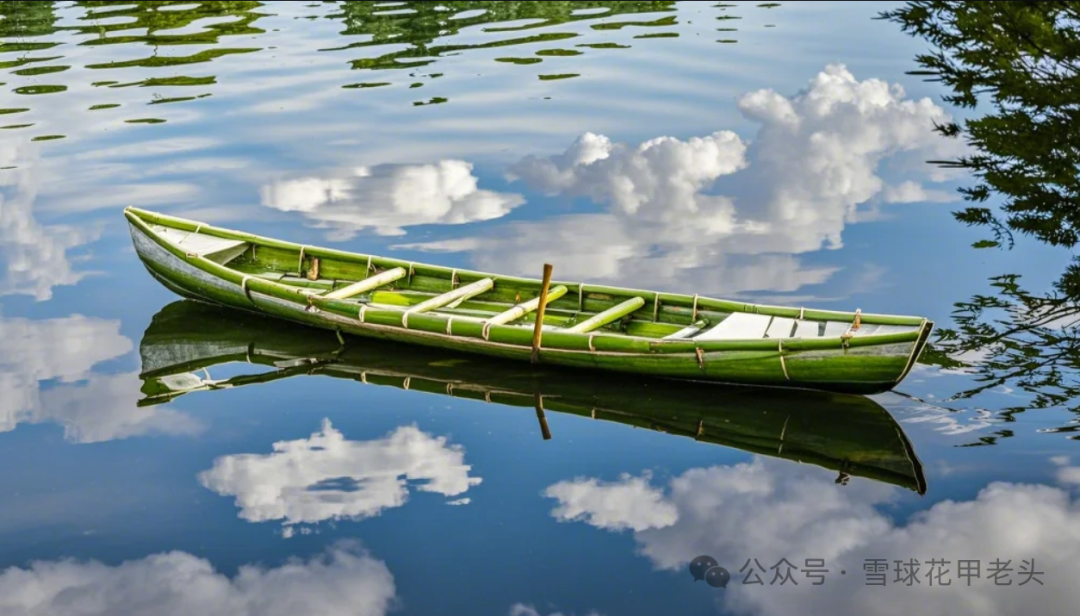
{"x":849,"y":434}
{"x":563,"y":323}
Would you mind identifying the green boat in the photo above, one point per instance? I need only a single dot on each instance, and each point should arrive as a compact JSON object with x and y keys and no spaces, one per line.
{"x":849,"y":434}
{"x":581,"y":325}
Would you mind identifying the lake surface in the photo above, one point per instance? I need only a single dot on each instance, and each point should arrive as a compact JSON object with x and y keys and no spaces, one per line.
{"x":768,"y":152}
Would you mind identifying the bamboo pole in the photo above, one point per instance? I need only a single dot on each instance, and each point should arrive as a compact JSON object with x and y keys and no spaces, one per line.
{"x":538,"y":402}
{"x":461,"y":293}
{"x":367,"y":284}
{"x":611,"y":314}
{"x":540,"y":313}
{"x":525,"y":308}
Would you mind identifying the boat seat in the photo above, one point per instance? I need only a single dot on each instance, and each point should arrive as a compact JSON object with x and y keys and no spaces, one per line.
{"x":881,"y":330}
{"x":743,"y":326}
{"x":806,"y":329}
{"x":219,"y":249}
{"x":835,"y":329}
{"x":738,"y":326}
{"x":781,"y":327}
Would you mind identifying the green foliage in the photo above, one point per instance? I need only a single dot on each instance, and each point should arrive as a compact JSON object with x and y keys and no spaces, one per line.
{"x":1018,"y":339}
{"x":23,"y":18}
{"x":159,"y":18}
{"x":419,"y":24}
{"x":1022,"y":61}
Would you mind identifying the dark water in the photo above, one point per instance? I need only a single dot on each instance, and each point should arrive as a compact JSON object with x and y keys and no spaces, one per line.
{"x":772,"y":152}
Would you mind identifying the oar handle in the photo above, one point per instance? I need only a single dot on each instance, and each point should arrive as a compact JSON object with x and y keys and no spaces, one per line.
{"x":540,"y":313}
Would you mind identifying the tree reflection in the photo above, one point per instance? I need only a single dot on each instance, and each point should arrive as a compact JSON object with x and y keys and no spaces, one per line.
{"x":1021,"y":60}
{"x":419,"y":24}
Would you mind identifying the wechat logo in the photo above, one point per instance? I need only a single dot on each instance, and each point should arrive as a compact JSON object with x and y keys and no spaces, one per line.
{"x":706,"y":568}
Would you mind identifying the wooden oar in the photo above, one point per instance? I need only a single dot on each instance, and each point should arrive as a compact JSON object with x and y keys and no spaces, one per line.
{"x":538,"y":402}
{"x":540,"y":313}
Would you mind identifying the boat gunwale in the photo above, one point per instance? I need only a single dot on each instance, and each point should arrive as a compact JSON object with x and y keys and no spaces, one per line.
{"x":143,"y":218}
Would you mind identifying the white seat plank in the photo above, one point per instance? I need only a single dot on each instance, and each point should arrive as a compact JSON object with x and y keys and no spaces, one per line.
{"x":835,"y":329}
{"x":780,"y":328}
{"x":198,"y":243}
{"x":738,"y":326}
{"x":881,"y":330}
{"x":806,"y":329}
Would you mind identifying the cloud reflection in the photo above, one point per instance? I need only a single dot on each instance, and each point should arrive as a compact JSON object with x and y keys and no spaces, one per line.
{"x":33,"y":257}
{"x":91,"y":407}
{"x":327,"y":476}
{"x":710,"y":209}
{"x":345,"y":580}
{"x":522,"y":609}
{"x":769,"y":510}
{"x":387,"y":198}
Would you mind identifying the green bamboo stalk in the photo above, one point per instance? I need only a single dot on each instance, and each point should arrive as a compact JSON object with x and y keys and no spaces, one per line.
{"x":611,"y":314}
{"x":525,"y":308}
{"x":367,"y":284}
{"x":459,"y":294}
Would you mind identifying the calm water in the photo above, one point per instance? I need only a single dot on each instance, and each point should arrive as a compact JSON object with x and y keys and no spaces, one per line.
{"x":772,"y":152}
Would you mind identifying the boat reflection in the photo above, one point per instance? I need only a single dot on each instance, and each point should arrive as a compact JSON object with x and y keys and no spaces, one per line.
{"x":852,"y":435}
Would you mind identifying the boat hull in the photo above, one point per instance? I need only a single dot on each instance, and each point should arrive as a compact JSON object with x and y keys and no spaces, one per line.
{"x":853,"y":435}
{"x":863,"y":369}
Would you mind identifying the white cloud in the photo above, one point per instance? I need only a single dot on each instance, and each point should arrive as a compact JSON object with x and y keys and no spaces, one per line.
{"x":388,"y":198}
{"x":521,"y":609}
{"x":34,"y":257}
{"x":706,"y":209}
{"x":64,"y":348}
{"x":945,"y":421}
{"x":913,"y":192}
{"x":91,"y":407}
{"x":1069,"y":475}
{"x":327,"y":476}
{"x":345,"y":580}
{"x":651,"y":180}
{"x":104,"y":408}
{"x":629,"y":503}
{"x":769,"y":510}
